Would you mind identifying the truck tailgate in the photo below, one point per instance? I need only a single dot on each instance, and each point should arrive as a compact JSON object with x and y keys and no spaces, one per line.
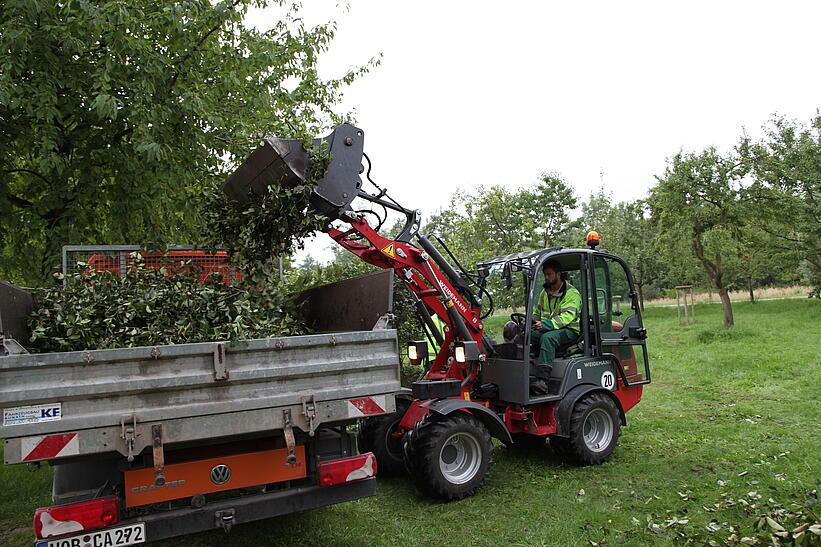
{"x":87,"y":401}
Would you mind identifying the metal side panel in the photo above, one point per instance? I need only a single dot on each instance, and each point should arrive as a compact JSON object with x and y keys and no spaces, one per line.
{"x":15,"y":307}
{"x":74,"y":391}
{"x":212,"y":427}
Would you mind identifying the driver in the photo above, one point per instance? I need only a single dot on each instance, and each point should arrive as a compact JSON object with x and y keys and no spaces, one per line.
{"x":557,"y":322}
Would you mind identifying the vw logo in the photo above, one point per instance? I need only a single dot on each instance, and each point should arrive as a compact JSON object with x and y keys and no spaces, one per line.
{"x":220,"y":474}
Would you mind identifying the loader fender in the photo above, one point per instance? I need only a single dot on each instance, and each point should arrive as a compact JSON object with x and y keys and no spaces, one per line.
{"x":565,"y":407}
{"x":491,"y":421}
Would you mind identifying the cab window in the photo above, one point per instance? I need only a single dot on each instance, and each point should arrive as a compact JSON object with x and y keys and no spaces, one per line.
{"x":613,"y":296}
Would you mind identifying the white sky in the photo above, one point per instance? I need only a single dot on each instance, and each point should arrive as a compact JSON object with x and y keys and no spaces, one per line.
{"x":473,"y":93}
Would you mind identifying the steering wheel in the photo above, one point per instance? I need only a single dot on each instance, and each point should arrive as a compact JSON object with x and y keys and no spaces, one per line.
{"x":519,"y":318}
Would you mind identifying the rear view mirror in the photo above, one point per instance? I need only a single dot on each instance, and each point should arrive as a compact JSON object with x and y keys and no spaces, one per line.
{"x":507,"y":276}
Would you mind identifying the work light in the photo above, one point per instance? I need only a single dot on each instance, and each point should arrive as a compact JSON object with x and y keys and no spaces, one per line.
{"x":417,"y":352}
{"x":465,"y":351}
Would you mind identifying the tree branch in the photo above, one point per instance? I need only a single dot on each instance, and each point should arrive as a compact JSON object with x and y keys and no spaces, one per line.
{"x":20,"y":202}
{"x":191,"y":51}
{"x":30,"y":172}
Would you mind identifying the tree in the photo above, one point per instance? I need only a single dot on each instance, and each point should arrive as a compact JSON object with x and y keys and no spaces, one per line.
{"x":114,"y":117}
{"x":549,"y":206}
{"x":698,"y":199}
{"x":596,"y":211}
{"x":630,"y":234}
{"x":786,"y":191}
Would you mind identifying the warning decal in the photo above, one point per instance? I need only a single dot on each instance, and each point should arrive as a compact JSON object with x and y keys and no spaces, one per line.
{"x":390,"y":250}
{"x":50,"y":446}
{"x":32,"y":414}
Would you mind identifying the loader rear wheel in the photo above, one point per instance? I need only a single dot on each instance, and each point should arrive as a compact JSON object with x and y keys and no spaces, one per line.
{"x":595,"y":426}
{"x":378,"y":435}
{"x":450,"y":456}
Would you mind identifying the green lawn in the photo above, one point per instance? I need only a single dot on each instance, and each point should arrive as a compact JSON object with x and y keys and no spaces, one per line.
{"x":727,"y":433}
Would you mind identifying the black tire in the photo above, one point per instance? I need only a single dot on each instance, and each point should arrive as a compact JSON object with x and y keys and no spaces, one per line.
{"x":595,"y":426}
{"x":526,"y":441}
{"x":459,"y":442}
{"x":375,"y":435}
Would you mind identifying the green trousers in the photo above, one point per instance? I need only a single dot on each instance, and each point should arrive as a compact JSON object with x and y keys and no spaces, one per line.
{"x":545,"y":343}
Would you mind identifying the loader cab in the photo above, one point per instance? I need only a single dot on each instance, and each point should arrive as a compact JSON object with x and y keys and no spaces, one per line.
{"x":610,"y":350}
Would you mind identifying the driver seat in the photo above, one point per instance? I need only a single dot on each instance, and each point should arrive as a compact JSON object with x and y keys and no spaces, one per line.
{"x":571,"y":347}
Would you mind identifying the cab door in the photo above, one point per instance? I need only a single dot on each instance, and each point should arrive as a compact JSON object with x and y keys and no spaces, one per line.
{"x":618,"y":323}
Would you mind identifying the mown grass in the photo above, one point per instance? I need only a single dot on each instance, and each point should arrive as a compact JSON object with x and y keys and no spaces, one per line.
{"x":727,"y":432}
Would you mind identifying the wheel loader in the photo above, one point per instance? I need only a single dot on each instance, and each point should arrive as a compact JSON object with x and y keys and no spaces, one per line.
{"x":477,"y":386}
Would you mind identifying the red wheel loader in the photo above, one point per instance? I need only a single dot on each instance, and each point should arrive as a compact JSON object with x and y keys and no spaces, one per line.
{"x":477,"y":386}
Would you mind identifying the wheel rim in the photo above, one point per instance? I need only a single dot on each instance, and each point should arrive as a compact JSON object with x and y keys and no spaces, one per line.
{"x":393,"y":444}
{"x":460,"y":458}
{"x":598,"y":430}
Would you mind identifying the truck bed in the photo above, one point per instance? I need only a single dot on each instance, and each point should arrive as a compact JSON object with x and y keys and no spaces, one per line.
{"x":59,"y":405}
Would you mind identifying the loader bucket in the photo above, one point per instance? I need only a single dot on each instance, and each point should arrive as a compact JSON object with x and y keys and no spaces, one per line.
{"x":284,"y":162}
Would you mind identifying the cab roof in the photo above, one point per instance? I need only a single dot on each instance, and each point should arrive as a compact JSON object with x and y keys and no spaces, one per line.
{"x":536,"y":256}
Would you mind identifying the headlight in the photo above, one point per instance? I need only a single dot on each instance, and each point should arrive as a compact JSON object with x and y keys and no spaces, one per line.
{"x":412,"y":354}
{"x":459,"y":353}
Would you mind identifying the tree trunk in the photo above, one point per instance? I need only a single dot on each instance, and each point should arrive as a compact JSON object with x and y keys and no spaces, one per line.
{"x":728,"y":307}
{"x":716,"y":273}
{"x":641,"y":296}
{"x":750,"y":287}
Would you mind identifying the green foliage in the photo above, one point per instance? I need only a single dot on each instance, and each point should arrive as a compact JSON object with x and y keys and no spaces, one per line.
{"x":630,"y":234}
{"x":698,"y":199}
{"x":264,"y":226}
{"x":497,"y":221}
{"x":786,"y":192}
{"x":145,"y":307}
{"x":115,"y":117}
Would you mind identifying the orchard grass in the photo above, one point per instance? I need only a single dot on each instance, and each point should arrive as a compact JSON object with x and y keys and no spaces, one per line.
{"x":728,"y":432}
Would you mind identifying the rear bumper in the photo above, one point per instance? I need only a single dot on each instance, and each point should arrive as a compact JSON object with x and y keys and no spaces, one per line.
{"x":250,"y":508}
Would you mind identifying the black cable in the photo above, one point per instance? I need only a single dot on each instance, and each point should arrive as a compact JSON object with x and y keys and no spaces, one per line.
{"x":383,"y":193}
{"x":455,"y":260}
{"x":374,"y":213}
{"x":490,"y":303}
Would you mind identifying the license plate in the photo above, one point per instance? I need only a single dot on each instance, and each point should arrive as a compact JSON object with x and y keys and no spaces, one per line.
{"x":111,"y":537}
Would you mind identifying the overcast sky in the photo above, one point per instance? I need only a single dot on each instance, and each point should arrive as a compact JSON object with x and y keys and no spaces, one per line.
{"x":472,"y":93}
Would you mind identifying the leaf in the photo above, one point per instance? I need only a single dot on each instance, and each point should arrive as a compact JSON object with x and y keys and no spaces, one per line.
{"x":774,"y":525}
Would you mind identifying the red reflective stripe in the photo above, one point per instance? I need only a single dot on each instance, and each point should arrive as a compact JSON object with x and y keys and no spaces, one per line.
{"x":49,"y":447}
{"x":367,"y":405}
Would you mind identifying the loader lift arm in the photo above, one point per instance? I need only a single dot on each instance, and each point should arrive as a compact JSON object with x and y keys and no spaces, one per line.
{"x":285,"y":162}
{"x":425,"y":280}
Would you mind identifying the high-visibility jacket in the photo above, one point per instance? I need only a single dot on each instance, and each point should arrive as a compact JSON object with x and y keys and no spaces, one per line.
{"x":440,"y":326}
{"x":563,"y":310}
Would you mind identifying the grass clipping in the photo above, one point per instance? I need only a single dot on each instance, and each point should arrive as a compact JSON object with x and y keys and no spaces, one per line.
{"x":177,"y":304}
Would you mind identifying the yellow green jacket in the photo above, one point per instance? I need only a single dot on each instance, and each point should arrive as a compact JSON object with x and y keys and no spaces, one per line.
{"x":561,"y":311}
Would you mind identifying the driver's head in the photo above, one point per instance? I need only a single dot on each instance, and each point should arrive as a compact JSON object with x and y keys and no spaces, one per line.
{"x":552,"y":273}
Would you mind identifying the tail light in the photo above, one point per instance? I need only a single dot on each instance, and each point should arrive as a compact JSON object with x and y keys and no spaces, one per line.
{"x":347,"y":469}
{"x":76,"y":517}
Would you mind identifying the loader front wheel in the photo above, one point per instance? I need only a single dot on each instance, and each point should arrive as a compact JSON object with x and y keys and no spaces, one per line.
{"x":450,"y":456}
{"x":379,"y":435}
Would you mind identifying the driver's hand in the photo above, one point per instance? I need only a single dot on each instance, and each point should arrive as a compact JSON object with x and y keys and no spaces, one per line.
{"x":538,"y":325}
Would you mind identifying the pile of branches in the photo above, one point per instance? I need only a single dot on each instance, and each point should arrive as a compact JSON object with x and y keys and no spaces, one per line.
{"x":175,"y":305}
{"x":266,"y":225}
{"x":147,"y":306}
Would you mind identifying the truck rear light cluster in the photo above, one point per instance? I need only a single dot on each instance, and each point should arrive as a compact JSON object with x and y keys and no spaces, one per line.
{"x":76,"y":517}
{"x":347,"y":469}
